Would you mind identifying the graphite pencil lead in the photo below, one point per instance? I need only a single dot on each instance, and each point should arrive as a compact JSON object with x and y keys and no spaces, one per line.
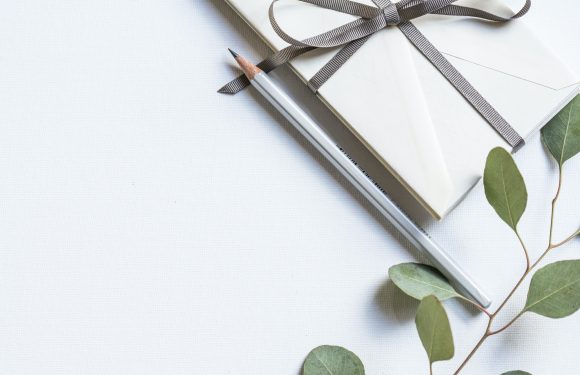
{"x":234,"y":54}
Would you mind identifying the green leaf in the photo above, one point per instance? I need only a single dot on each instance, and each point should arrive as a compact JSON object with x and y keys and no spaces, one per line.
{"x":562,"y":134}
{"x":517,"y":372}
{"x":555,"y":290}
{"x":434,"y":330}
{"x":332,"y":360}
{"x":504,"y":186}
{"x":420,"y":281}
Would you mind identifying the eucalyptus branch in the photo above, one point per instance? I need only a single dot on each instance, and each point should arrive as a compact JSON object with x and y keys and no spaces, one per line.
{"x":532,"y":267}
{"x":551,"y":247}
{"x":528,"y":270}
{"x":488,"y":331}
{"x":554,"y":290}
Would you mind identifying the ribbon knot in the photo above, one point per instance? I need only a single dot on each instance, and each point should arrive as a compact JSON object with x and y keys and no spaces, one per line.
{"x":372,"y":19}
{"x":391,"y":14}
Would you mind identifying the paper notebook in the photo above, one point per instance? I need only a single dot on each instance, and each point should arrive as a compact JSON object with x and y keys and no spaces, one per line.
{"x":406,"y":113}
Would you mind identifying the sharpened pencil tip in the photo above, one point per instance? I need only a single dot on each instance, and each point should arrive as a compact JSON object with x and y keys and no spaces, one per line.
{"x":234,"y":54}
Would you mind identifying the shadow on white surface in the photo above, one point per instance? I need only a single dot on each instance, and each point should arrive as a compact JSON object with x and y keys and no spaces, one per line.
{"x":395,"y":304}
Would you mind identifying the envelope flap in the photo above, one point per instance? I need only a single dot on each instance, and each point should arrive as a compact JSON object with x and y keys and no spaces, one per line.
{"x":510,"y":47}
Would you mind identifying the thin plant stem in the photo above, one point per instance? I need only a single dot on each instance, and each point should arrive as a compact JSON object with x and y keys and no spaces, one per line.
{"x":521,"y":280}
{"x":477,"y":346}
{"x":507,"y":325}
{"x":532,"y":267}
{"x":430,"y":368}
{"x":542,"y":257}
{"x":488,"y":331}
{"x":511,"y":293}
{"x":576,"y":234}
{"x":476,"y":305}
{"x":525,"y":250}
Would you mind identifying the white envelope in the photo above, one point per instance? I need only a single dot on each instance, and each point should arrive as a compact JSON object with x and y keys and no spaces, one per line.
{"x":406,"y":113}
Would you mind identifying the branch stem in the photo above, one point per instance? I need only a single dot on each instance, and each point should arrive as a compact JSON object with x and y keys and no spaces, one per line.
{"x":525,"y":250}
{"x":507,"y":325}
{"x":514,"y":289}
{"x":477,"y":346}
{"x":476,"y":305}
{"x":576,"y":234}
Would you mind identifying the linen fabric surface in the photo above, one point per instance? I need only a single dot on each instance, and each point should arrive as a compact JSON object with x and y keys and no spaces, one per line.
{"x":149,"y":225}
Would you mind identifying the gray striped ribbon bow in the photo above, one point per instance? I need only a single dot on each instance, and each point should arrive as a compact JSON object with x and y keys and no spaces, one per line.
{"x":353,"y":36}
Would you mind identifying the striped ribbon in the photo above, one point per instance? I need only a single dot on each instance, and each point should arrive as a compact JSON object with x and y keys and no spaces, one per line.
{"x":372,"y":19}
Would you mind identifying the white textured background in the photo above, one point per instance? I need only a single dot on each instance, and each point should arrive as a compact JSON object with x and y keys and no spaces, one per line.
{"x":151,"y":226}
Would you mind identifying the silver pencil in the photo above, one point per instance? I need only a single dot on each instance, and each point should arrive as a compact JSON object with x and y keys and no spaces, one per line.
{"x":365,"y":185}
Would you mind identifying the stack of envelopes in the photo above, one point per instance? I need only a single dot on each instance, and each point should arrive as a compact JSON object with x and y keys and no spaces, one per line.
{"x":406,"y":113}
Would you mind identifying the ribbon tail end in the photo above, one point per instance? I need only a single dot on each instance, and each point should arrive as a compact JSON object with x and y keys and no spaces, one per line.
{"x":235,"y":86}
{"x":226,"y":91}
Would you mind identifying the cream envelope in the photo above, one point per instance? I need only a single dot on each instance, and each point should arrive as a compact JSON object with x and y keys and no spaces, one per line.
{"x":407,"y":113}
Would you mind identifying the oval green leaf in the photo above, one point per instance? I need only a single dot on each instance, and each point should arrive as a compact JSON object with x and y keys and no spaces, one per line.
{"x":562,"y":134}
{"x":420,"y":281}
{"x":434,"y":330}
{"x":504,"y":186}
{"x":517,"y":372}
{"x":332,"y":360}
{"x":555,"y":290}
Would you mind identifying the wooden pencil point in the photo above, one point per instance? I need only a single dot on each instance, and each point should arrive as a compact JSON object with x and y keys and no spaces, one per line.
{"x":249,"y":69}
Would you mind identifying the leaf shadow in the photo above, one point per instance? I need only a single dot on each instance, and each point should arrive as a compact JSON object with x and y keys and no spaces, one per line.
{"x":469,"y":308}
{"x":552,"y":163}
{"x":511,"y":338}
{"x":394,"y":304}
{"x":398,"y":306}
